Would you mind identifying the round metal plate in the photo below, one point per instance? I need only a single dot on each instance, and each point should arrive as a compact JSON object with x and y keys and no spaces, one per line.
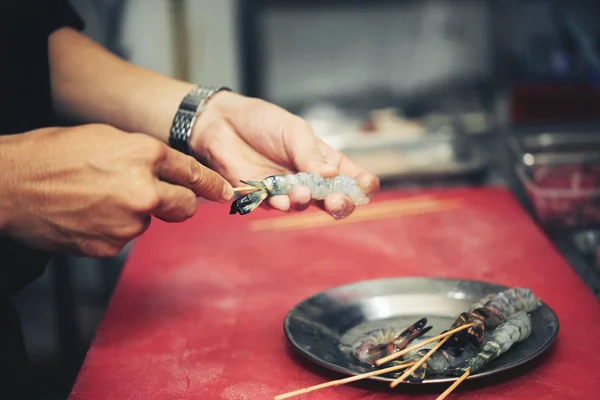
{"x":323,"y":326}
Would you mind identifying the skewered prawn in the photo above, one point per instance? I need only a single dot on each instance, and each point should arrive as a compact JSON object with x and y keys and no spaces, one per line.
{"x":488,"y":313}
{"x":510,"y":301}
{"x":503,"y":312}
{"x":282,"y":185}
{"x":516,"y":328}
{"x":378,"y":343}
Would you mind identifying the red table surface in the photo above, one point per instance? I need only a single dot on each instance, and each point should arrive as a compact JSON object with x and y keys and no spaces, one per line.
{"x":198,"y":311}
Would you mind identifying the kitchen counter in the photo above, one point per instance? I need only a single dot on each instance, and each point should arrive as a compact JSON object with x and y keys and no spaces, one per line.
{"x":199,"y":307}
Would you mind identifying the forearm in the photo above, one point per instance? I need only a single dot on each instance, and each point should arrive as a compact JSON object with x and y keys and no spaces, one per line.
{"x":15,"y":153}
{"x":89,"y":84}
{"x":7,"y":163}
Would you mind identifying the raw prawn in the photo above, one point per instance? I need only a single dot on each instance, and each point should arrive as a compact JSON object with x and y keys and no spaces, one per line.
{"x":282,"y":185}
{"x":379,"y":343}
{"x":516,"y":328}
{"x":488,"y":313}
{"x":510,"y":301}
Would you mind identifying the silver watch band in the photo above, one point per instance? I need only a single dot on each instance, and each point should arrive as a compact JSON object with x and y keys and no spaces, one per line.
{"x":191,"y":106}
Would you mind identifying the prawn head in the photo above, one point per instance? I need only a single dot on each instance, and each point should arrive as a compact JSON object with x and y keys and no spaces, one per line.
{"x":248,"y":203}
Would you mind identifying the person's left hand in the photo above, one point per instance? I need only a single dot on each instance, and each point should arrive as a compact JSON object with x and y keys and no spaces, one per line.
{"x":245,"y":138}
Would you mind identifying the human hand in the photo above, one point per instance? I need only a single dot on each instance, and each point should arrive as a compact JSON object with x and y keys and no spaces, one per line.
{"x":91,"y":189}
{"x":244,"y":138}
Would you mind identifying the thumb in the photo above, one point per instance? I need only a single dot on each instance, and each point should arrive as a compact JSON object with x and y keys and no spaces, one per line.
{"x":186,"y":171}
{"x":206,"y":183}
{"x":302,"y":147}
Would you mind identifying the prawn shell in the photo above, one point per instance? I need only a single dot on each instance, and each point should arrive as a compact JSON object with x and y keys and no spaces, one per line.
{"x":515,"y":329}
{"x":248,"y":203}
{"x":491,"y":311}
{"x":319,"y":186}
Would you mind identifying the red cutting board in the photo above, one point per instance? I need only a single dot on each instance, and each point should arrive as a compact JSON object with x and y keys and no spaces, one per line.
{"x":198,"y":312}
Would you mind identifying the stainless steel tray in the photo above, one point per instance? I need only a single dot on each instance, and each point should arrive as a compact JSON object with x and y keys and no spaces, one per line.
{"x":323,"y":326}
{"x":555,"y":148}
{"x":426,"y":155}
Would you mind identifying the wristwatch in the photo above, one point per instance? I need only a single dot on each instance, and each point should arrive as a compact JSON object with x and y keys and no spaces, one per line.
{"x":191,"y":106}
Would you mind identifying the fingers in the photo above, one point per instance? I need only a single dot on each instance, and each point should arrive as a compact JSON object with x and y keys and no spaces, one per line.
{"x":339,"y":206}
{"x":176,"y":203}
{"x":336,"y":205}
{"x":180,"y":169}
{"x":303,"y":148}
{"x":367,"y":181}
{"x":281,"y":203}
{"x":298,"y":199}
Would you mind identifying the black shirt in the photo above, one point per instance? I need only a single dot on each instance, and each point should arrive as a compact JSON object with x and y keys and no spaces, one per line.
{"x":25,"y":104}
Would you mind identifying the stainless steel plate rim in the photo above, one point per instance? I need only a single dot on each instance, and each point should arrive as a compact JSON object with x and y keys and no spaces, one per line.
{"x":332,"y":366}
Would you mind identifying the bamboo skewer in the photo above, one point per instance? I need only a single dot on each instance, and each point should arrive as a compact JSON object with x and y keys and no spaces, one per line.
{"x":244,"y":189}
{"x":258,"y":226}
{"x":370,"y":210}
{"x":454,"y":385}
{"x":342,"y":381}
{"x":413,"y":366}
{"x":389,"y":209}
{"x":400,"y":353}
{"x":418,"y":363}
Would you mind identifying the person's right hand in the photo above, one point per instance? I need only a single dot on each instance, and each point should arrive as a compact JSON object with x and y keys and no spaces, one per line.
{"x":91,"y":189}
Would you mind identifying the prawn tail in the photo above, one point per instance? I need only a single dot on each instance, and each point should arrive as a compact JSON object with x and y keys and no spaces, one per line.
{"x":476,"y":334}
{"x":414,"y":331}
{"x":459,"y":340}
{"x":516,"y":329}
{"x":248,"y":203}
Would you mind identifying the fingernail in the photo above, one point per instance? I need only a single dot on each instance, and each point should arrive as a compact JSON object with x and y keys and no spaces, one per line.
{"x":369,"y":184}
{"x":339,"y":210}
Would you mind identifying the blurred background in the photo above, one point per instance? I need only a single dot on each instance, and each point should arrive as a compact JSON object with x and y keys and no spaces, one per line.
{"x":423,"y":93}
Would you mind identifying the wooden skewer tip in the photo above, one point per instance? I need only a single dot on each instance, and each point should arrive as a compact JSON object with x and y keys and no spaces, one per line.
{"x":418,"y":363}
{"x":454,"y":385}
{"x":244,"y":189}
